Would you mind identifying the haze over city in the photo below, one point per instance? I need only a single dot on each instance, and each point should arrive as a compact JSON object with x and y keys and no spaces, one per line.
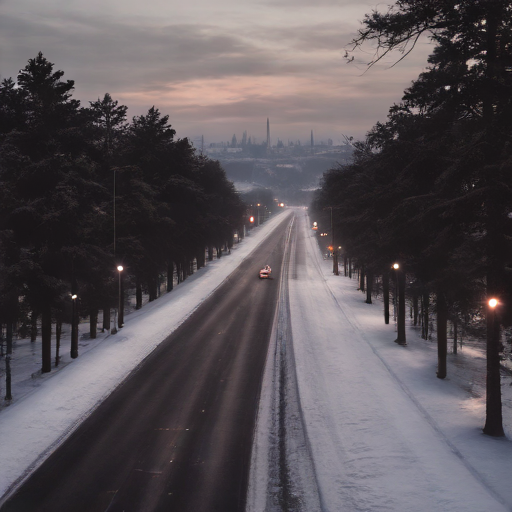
{"x":216,"y":69}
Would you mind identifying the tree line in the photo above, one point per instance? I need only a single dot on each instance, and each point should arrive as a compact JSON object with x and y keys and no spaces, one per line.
{"x":430,"y":189}
{"x":83,"y":191}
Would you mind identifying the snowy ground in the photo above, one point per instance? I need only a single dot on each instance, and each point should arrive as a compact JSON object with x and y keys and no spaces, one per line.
{"x":370,"y":427}
{"x":47,"y":407}
{"x":379,"y":431}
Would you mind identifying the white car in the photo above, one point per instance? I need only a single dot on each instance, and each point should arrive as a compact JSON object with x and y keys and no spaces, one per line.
{"x":265,"y":272}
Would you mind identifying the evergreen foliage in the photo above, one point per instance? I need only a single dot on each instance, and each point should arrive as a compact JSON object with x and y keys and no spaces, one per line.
{"x":82,"y":190}
{"x":432,"y":187}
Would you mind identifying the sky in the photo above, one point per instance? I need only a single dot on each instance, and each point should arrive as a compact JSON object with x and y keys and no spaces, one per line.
{"x":216,"y":68}
{"x":382,"y":432}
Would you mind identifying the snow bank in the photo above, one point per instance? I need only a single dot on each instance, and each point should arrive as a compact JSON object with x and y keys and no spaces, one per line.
{"x":48,"y":407}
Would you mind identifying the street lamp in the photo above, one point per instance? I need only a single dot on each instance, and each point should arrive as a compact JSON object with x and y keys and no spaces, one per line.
{"x":74,"y":327}
{"x":400,"y":306}
{"x":395,"y":267}
{"x":493,"y":407}
{"x":120,"y":317}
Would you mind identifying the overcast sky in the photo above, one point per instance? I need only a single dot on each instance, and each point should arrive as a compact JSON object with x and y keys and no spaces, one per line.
{"x":216,"y":68}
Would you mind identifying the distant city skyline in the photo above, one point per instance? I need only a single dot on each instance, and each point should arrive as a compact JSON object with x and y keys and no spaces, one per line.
{"x":247,"y":138}
{"x":216,"y":68}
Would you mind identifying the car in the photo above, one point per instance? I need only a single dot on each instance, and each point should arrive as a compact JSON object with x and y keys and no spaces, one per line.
{"x":265,"y":272}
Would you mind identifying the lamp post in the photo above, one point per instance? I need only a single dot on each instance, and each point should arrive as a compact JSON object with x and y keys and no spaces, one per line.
{"x":74,"y":327}
{"x":400,"y":307}
{"x":334,"y":250}
{"x":395,"y":267}
{"x":493,"y":410}
{"x":120,"y":317}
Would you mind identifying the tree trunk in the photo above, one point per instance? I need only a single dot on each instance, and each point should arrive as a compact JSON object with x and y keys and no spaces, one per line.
{"x":350,"y":268}
{"x":369,"y":287}
{"x":385,"y":293}
{"x":106,"y":318}
{"x":170,"y":276}
{"x":152,"y":289}
{"x":442,"y":338}
{"x":33,"y":326}
{"x":361,"y":278}
{"x":46,"y":336}
{"x":8,"y":336}
{"x":93,"y":322}
{"x":58,"y":333}
{"x":425,"y":302}
{"x":138,"y":293}
{"x":8,"y":391}
{"x":210,"y":253}
{"x":415,"y":308}
{"x":401,"y":339}
{"x":455,"y":333}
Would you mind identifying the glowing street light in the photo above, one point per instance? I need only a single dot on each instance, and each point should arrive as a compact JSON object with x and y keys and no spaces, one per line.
{"x":74,"y":327}
{"x":399,"y":309}
{"x":120,"y":317}
{"x":493,"y":406}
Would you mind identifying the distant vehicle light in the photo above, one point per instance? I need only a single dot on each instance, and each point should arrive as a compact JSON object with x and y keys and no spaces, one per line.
{"x":265,"y":272}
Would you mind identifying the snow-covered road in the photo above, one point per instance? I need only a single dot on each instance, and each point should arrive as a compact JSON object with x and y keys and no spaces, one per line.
{"x":46,"y":408}
{"x":381,"y":432}
{"x":368,"y":425}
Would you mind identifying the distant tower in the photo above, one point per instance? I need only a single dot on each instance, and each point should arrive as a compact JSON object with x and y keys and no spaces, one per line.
{"x":268,"y":134}
{"x":312,"y":142}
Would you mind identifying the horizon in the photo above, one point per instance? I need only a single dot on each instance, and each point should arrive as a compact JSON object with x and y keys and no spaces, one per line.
{"x":216,"y":70}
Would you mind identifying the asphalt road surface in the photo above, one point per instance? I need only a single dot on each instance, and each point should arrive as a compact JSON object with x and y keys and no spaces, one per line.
{"x":177,"y":434}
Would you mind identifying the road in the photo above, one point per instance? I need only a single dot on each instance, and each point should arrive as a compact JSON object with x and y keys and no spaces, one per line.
{"x":177,"y":434}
